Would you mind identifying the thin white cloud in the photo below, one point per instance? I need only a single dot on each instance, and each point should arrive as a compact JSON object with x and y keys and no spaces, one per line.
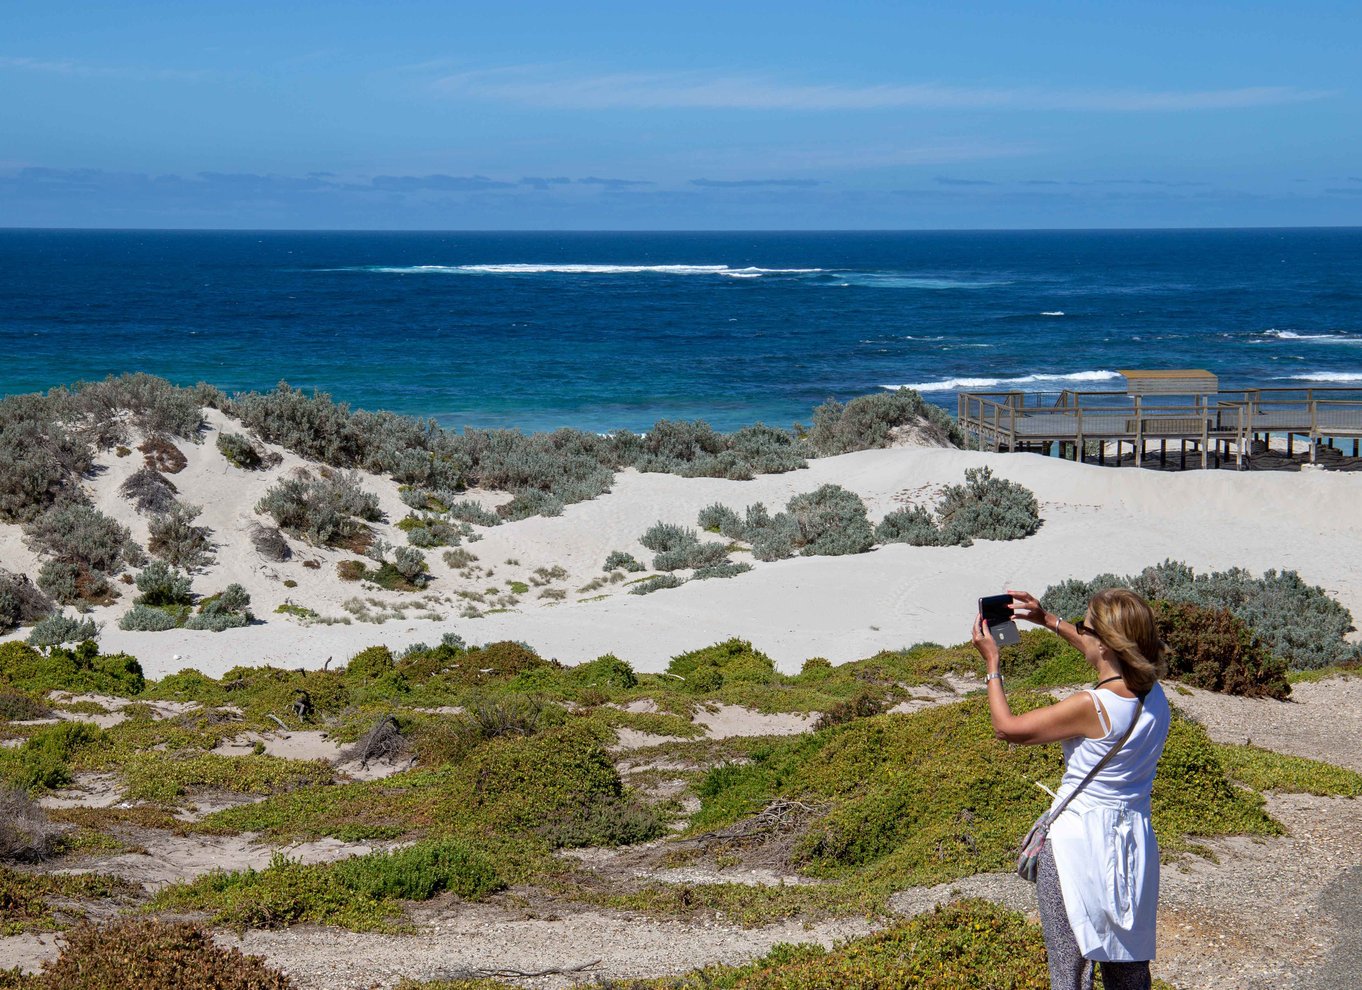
{"x":553,"y":88}
{"x":75,"y":68}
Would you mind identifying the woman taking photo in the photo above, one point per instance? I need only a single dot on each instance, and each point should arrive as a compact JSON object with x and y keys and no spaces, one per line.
{"x":1098,"y":875}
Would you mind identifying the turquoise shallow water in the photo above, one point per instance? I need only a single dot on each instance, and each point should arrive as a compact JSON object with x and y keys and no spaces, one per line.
{"x":608,"y":330}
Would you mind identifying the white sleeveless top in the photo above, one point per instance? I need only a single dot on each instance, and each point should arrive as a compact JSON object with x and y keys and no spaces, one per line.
{"x":1104,"y":846}
{"x":1129,"y":777}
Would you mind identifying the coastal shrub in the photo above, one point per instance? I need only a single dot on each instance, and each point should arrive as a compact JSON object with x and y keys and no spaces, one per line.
{"x":832,"y":521}
{"x":43,"y":761}
{"x":21,"y":601}
{"x":360,"y":893}
{"x":658,"y":583}
{"x":433,"y":531}
{"x":229,"y":609}
{"x":726,"y":569}
{"x":160,"y":454}
{"x":174,"y":538}
{"x":149,"y":490}
{"x":619,"y":560}
{"x":778,"y":539}
{"x":62,"y":628}
{"x":914,"y":526}
{"x":986,"y":508}
{"x":83,"y":536}
{"x":153,"y":776}
{"x":44,"y":457}
{"x":324,"y":511}
{"x":240,"y":451}
{"x":719,"y":518}
{"x":694,"y":555}
{"x":82,"y":670}
{"x":26,"y":834}
{"x":614,"y":821}
{"x":732,"y":661}
{"x":151,"y":404}
{"x":964,"y":945}
{"x":149,"y":954}
{"x":864,"y":705}
{"x":269,"y":542}
{"x":458,"y":559}
{"x":147,"y":618}
{"x":67,"y":584}
{"x":410,"y":563}
{"x":1069,"y":599}
{"x":160,"y":584}
{"x":662,"y":537}
{"x":1215,"y":650}
{"x":1299,"y":622}
{"x":693,"y":449}
{"x":315,"y":427}
{"x":569,"y":465}
{"x":531,"y":502}
{"x":20,"y":706}
{"x":607,"y":671}
{"x":870,"y":421}
{"x":766,"y":450}
{"x":470,"y":511}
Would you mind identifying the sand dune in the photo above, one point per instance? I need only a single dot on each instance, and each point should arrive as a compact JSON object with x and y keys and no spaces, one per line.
{"x":1095,"y":519}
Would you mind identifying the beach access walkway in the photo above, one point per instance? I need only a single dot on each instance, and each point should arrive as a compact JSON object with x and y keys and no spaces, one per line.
{"x":1165,"y":414}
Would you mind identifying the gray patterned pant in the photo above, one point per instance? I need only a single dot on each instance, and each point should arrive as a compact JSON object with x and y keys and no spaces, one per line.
{"x":1068,"y":969}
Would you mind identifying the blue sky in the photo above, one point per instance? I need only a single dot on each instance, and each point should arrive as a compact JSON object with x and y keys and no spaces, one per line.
{"x":450,"y":115}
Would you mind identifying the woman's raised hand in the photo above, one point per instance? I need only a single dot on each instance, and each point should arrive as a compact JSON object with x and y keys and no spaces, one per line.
{"x":1026,"y":606}
{"x":984,"y":642}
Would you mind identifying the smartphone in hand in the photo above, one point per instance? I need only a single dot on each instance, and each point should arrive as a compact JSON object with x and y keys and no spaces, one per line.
{"x":998,"y":615}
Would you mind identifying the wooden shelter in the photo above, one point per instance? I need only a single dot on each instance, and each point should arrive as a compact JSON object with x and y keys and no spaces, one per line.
{"x":1182,"y":406}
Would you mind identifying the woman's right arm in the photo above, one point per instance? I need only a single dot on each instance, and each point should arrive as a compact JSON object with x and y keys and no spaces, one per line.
{"x":1026,"y":606}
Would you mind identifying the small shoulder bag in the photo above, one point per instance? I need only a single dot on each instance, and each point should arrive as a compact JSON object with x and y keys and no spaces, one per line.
{"x":1028,"y":859}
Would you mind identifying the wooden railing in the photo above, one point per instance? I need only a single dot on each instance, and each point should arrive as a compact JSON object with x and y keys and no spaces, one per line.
{"x":1007,"y":420}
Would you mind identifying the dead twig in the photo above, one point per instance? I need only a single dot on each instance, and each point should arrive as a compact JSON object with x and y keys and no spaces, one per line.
{"x":514,"y":974}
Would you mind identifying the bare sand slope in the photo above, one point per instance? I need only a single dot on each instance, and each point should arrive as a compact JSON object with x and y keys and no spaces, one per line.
{"x":1095,"y":519}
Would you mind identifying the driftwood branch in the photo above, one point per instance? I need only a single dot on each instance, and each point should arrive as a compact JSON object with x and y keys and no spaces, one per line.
{"x":280,"y":721}
{"x":514,"y":974}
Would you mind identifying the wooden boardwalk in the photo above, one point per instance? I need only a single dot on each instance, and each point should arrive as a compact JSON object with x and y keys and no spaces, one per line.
{"x":1212,"y":424}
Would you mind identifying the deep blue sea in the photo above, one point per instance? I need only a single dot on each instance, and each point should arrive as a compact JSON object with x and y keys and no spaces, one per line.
{"x":607,"y":330}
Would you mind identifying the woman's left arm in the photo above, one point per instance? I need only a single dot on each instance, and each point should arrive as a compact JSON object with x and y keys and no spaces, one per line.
{"x":1074,"y":716}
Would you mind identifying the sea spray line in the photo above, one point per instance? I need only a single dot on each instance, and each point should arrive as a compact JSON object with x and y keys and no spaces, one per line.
{"x":954,"y":384}
{"x":581,"y":269}
{"x":1294,"y":335}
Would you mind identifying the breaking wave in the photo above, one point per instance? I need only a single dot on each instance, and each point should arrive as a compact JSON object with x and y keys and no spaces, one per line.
{"x":957,"y":384}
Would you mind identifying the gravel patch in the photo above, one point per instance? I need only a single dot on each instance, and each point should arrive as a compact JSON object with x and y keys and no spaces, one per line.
{"x":463,"y":937}
{"x":1322,"y":720}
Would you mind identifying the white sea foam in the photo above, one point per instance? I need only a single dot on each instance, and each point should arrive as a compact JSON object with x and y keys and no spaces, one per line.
{"x":1293,"y":335}
{"x":574,"y":269}
{"x":956,"y":384}
{"x":1052,"y":312}
{"x":1324,"y":376}
{"x":899,"y":280}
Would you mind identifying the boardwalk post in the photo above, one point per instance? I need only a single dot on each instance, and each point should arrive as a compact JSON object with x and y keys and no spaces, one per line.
{"x":1139,"y":434}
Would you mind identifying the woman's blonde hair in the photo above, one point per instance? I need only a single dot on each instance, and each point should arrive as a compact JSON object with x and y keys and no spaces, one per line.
{"x":1125,"y":623}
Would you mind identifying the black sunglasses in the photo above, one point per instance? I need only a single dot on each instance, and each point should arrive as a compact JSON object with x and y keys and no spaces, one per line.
{"x":1084,"y":629}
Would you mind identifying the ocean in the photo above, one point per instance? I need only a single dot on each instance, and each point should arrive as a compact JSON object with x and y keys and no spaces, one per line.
{"x":602,"y":331}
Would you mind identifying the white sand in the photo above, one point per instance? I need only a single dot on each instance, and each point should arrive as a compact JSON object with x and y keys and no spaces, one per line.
{"x":1095,"y":519}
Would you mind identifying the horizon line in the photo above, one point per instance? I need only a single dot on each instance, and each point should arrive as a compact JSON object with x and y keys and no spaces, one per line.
{"x":668,"y":230}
